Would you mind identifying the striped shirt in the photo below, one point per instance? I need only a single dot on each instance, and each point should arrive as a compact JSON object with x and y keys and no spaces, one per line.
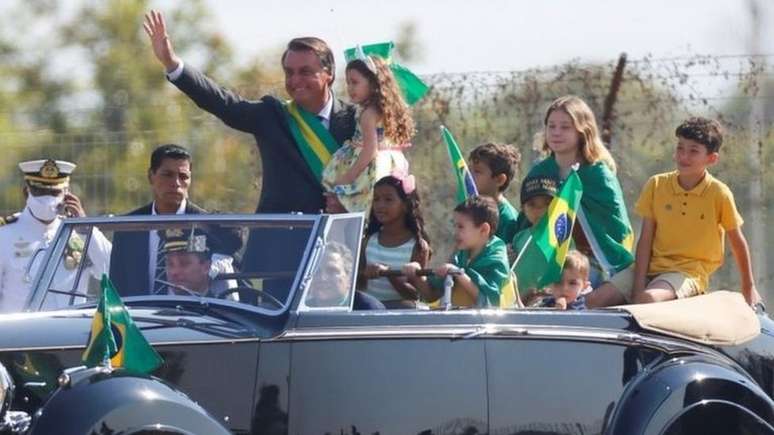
{"x":393,"y":258}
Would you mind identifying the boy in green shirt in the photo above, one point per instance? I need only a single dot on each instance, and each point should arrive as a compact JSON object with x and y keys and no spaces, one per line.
{"x":493,"y":166}
{"x":481,"y":255}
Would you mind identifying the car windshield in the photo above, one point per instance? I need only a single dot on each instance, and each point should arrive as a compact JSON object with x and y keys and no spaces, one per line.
{"x":255,"y":260}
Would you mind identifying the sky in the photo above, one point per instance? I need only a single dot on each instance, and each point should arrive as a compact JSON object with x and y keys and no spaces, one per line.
{"x":496,"y":35}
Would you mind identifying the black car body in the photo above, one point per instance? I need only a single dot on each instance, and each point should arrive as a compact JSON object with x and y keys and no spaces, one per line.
{"x":307,"y":367}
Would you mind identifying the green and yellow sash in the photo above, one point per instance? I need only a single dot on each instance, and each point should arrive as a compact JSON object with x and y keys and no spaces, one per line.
{"x":312,"y":138}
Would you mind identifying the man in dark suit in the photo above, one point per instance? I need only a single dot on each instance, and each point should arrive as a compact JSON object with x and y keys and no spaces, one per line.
{"x":289,"y":182}
{"x":133,"y":260}
{"x":289,"y":185}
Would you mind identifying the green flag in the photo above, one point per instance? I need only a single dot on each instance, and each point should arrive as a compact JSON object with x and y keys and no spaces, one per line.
{"x":115,"y":336}
{"x":530,"y":264}
{"x":466,"y":186}
{"x":553,"y":233}
{"x":605,"y":221}
{"x":413,"y":87}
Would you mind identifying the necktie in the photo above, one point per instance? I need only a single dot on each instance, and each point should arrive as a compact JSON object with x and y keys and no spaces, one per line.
{"x":161,"y":269}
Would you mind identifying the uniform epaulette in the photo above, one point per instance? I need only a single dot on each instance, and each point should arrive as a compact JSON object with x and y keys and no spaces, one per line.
{"x":9,"y":219}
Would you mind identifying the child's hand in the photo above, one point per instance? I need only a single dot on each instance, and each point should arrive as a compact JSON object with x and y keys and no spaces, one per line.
{"x":372,"y":271}
{"x":443,"y":270}
{"x":332,"y":204}
{"x":560,"y":303}
{"x":410,"y":269}
{"x":752,"y":296}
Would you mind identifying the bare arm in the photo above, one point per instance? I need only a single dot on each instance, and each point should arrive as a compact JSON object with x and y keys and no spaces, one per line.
{"x":420,"y":283}
{"x":368,"y":121}
{"x":462,"y":282}
{"x":642,"y":255}
{"x":406,"y":289}
{"x":742,"y":256}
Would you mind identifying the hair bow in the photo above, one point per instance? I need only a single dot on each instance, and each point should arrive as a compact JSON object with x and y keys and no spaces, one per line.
{"x":413,"y":87}
{"x":407,"y":180}
{"x":361,"y":55}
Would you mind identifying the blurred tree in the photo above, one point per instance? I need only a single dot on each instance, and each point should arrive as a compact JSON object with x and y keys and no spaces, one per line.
{"x":407,"y":44}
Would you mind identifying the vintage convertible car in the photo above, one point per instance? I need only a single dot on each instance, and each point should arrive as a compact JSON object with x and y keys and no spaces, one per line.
{"x":279,"y":349}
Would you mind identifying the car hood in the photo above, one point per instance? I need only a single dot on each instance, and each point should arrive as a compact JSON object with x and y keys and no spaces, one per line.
{"x":160,"y":325}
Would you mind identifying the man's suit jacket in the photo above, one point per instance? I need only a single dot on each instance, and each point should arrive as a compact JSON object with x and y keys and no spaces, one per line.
{"x":130,"y":255}
{"x":289,"y":184}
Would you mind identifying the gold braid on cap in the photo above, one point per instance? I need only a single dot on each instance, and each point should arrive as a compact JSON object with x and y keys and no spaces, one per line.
{"x":49,"y":170}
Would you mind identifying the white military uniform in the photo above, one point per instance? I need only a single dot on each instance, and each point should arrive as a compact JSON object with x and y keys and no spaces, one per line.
{"x":23,"y":235}
{"x":20,"y":240}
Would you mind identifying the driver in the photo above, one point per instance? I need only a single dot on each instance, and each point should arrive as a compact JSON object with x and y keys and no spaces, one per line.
{"x":188,"y":261}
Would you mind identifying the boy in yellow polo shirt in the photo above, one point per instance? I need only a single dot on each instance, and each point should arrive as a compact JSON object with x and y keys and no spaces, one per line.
{"x":685,"y":214}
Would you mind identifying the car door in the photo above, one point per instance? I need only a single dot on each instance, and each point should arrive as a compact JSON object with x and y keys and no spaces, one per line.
{"x":385,"y":372}
{"x":547,"y":376}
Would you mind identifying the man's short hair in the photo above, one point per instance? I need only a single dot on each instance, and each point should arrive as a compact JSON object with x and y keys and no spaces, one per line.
{"x":481,"y":210}
{"x":168,"y":151}
{"x":500,"y":158}
{"x":316,"y":45}
{"x":707,"y":132}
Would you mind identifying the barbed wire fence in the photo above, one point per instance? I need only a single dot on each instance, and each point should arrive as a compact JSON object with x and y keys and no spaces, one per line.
{"x":652,"y":95}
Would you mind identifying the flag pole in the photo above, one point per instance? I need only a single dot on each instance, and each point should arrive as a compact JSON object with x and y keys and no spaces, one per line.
{"x":521,"y":253}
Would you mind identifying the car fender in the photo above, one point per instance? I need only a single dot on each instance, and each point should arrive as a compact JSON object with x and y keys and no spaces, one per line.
{"x":96,"y":401}
{"x":660,"y":395}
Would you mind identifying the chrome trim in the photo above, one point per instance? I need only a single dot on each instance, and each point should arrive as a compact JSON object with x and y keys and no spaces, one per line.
{"x":311,"y":265}
{"x":154,"y":344}
{"x":16,"y":422}
{"x":208,"y":217}
{"x":319,"y":248}
{"x":705,"y":402}
{"x":82,"y":263}
{"x":46,"y":272}
{"x":27,"y":276}
{"x":492,"y":330}
{"x":75,"y":375}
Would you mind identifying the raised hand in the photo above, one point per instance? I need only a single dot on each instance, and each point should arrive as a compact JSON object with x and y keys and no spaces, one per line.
{"x":72,"y":206}
{"x":156,"y":29}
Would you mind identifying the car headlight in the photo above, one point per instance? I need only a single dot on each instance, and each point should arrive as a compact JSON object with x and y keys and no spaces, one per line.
{"x":15,"y":422}
{"x":6,"y":391}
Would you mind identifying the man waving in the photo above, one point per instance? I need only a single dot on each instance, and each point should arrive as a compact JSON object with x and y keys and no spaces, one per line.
{"x":291,"y":161}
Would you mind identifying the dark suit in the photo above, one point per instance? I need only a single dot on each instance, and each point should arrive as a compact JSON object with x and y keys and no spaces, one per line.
{"x":288,"y":183}
{"x":130,"y":257}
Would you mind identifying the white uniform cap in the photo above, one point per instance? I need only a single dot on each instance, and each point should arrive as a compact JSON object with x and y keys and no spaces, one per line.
{"x":53,"y":174}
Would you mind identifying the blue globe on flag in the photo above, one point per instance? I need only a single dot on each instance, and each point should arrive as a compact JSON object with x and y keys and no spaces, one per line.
{"x":562,"y":228}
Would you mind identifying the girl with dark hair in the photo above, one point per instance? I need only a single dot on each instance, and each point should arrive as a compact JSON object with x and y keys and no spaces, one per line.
{"x":395,"y":236}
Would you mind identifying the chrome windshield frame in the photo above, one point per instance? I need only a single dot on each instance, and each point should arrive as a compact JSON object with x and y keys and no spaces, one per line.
{"x":46,"y":272}
{"x":312,"y":266}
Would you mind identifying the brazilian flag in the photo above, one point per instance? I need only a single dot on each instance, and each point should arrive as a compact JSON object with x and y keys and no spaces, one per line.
{"x":508,"y":292}
{"x":116,"y":338}
{"x":553,"y":233}
{"x":466,"y":186}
